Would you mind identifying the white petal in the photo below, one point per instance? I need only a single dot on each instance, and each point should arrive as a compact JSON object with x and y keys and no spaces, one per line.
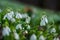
{"x":42,"y":23}
{"x":16,"y":36}
{"x":24,"y":15}
{"x":41,"y":37}
{"x":33,"y":37}
{"x":6,"y":31}
{"x":18,"y":15}
{"x":19,"y":26}
{"x":9,"y":16}
{"x":53,"y":30}
{"x":28,"y":20}
{"x":56,"y":38}
{"x":13,"y":20}
{"x":44,"y":20}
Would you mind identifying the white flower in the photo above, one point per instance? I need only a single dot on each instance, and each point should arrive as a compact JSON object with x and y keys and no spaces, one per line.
{"x":6,"y":31}
{"x":19,"y":26}
{"x":28,"y":20}
{"x":13,"y":20}
{"x":33,"y":37}
{"x":16,"y":36}
{"x":18,"y":15}
{"x":12,"y":13}
{"x":44,"y":20}
{"x":41,"y":37}
{"x":24,"y":15}
{"x":56,"y":38}
{"x":9,"y":16}
{"x":42,"y":23}
{"x":53,"y":30}
{"x":28,"y":27}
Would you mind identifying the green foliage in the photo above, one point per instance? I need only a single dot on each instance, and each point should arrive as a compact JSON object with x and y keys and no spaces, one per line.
{"x":35,"y":22}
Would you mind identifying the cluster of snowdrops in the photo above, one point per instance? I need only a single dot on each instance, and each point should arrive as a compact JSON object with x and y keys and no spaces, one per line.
{"x":17,"y":26}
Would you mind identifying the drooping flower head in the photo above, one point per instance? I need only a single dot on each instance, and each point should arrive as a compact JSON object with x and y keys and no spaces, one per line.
{"x":44,"y":20}
{"x":53,"y":30}
{"x":33,"y":37}
{"x":19,"y":26}
{"x":16,"y":36}
{"x":41,"y":37}
{"x":6,"y":31}
{"x":18,"y":15}
{"x":56,"y":38}
{"x":28,"y":19}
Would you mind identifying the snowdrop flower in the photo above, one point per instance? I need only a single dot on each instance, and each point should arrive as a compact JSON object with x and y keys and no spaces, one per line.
{"x":9,"y":16}
{"x":16,"y":36}
{"x":33,"y":37}
{"x":28,"y":20}
{"x":41,"y":37}
{"x":53,"y":30}
{"x":6,"y":31}
{"x":56,"y":38}
{"x":28,"y":27}
{"x":44,"y":20}
{"x":19,"y":26}
{"x":24,"y":15}
{"x":42,"y":23}
{"x":18,"y":15}
{"x":13,"y":20}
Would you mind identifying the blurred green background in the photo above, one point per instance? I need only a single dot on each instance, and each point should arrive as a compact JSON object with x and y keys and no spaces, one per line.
{"x":52,"y":15}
